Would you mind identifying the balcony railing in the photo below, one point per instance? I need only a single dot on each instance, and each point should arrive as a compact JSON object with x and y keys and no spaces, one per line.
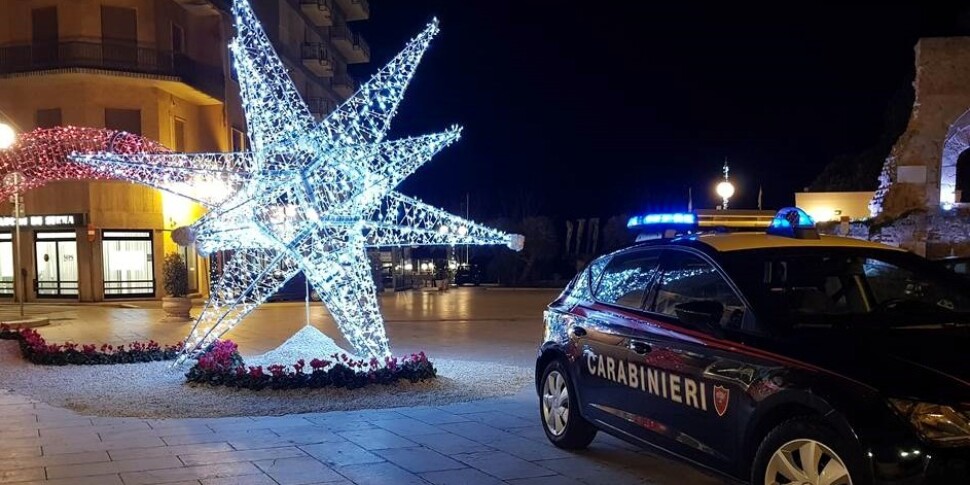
{"x":319,"y":11}
{"x":320,"y":106}
{"x":317,"y":58}
{"x":355,"y":9}
{"x":112,"y":56}
{"x":350,"y":43}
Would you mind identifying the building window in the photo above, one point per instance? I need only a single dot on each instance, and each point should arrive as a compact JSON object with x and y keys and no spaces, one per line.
{"x":123,"y":120}
{"x":119,"y":36}
{"x":178,"y":39}
{"x":48,"y":118}
{"x":178,"y":134}
{"x":56,"y":254}
{"x":6,"y":264}
{"x":44,"y":34}
{"x":238,"y":140}
{"x":129,"y":266}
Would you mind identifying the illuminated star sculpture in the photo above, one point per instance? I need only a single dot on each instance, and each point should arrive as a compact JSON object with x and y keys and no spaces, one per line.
{"x":308,"y":197}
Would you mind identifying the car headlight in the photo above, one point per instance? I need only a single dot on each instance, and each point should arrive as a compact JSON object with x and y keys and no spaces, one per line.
{"x":942,"y":425}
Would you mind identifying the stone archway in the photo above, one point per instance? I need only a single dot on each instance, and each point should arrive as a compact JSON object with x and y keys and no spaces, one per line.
{"x":955,"y":145}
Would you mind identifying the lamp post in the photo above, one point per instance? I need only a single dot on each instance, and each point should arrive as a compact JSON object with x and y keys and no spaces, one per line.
{"x":7,"y":136}
{"x":14,"y":181}
{"x":725,"y":189}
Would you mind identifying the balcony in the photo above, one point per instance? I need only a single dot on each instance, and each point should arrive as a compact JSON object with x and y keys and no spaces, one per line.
{"x":344,"y":85}
{"x":355,"y":9}
{"x":119,"y":57}
{"x":349,"y":43}
{"x":317,"y":58}
{"x":320,"y":106}
{"x":319,"y":11}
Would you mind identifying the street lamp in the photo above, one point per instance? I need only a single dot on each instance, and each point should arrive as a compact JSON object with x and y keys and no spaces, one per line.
{"x":725,"y":189}
{"x":7,"y":136}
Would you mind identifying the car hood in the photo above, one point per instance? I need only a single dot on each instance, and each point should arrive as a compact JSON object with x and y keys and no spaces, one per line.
{"x":927,"y":365}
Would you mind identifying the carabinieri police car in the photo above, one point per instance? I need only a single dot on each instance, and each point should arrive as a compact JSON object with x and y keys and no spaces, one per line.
{"x":779,"y":357}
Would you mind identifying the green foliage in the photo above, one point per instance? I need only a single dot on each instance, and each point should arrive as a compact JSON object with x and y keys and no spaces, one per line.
{"x":175,"y":276}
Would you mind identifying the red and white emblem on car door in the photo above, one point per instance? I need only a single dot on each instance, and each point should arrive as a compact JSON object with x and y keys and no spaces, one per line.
{"x":722,"y":396}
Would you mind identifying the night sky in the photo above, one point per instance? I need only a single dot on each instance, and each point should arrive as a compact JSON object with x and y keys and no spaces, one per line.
{"x":576,"y":109}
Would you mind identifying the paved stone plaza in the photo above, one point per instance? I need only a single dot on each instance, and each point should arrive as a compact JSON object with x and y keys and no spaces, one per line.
{"x":484,"y":442}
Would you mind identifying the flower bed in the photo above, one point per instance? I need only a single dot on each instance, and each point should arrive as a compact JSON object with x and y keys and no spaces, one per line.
{"x":35,"y":349}
{"x":222,"y":365}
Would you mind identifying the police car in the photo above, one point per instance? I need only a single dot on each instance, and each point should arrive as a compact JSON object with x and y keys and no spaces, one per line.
{"x":777,"y":357}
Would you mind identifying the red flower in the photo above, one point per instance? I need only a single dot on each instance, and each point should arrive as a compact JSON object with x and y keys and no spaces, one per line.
{"x":256,"y":371}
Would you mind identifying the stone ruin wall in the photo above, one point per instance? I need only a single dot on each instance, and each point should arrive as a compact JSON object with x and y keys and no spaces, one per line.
{"x":942,"y":88}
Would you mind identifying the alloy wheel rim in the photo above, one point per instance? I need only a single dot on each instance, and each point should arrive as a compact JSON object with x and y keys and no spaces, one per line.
{"x":555,"y":403}
{"x":806,"y":462}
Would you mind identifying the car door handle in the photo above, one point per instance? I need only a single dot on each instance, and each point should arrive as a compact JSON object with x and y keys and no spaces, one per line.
{"x":577,"y":331}
{"x":639,"y":347}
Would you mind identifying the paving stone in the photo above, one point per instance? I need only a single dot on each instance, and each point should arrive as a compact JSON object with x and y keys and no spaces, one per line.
{"x":476,"y":431}
{"x":342,"y":426}
{"x":304,"y":438}
{"x":502,"y":465}
{"x":146,"y":442}
{"x":501,"y":420}
{"x":169,"y":451}
{"x":466,"y":407}
{"x":449,"y":444}
{"x":341,"y":454}
{"x":245,"y":455}
{"x":406,"y":427}
{"x":380,"y":474}
{"x":105,"y":468}
{"x":97,"y":480}
{"x":587,"y":470}
{"x":465,"y":476}
{"x":22,"y":475}
{"x":298,"y":471}
{"x":19,"y":452}
{"x":212,"y":437}
{"x":550,"y":480}
{"x":432,"y":415}
{"x":261,"y":479}
{"x":419,"y":460}
{"x":377,"y":439}
{"x":529,"y":450}
{"x":221,"y":470}
{"x":54,"y":460}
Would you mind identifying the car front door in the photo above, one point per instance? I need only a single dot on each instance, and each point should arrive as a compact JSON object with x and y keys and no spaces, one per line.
{"x":691,"y":376}
{"x":608,"y":390}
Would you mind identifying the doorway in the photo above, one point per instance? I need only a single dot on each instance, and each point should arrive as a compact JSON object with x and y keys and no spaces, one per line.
{"x":45,"y":36}
{"x":56,"y":256}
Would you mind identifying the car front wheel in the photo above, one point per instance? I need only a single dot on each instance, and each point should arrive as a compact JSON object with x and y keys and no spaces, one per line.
{"x":805,"y":451}
{"x":561,"y":420}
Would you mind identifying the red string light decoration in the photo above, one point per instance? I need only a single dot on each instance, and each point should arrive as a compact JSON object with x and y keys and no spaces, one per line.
{"x":42,"y":155}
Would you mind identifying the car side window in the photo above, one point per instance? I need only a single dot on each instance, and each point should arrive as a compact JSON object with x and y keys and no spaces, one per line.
{"x":626,"y":279}
{"x":689,"y":279}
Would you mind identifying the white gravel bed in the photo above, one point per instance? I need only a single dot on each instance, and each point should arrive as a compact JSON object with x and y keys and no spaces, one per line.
{"x":307,"y":344}
{"x":155,"y":390}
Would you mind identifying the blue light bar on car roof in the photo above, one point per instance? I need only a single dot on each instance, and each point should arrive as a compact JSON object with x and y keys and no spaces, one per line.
{"x":794,"y":223}
{"x":667,"y":219}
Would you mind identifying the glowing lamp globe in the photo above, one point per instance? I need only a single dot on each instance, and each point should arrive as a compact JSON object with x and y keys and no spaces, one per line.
{"x":725,"y":190}
{"x":7,"y":136}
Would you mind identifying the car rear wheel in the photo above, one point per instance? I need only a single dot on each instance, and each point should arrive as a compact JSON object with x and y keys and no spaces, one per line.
{"x":561,"y":420}
{"x":805,"y":451}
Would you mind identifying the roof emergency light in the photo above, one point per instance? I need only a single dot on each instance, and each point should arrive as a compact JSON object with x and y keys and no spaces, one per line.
{"x":794,"y":223}
{"x":667,"y":225}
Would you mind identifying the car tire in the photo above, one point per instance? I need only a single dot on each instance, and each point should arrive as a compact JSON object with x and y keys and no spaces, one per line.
{"x":559,"y":414}
{"x":784,"y":447}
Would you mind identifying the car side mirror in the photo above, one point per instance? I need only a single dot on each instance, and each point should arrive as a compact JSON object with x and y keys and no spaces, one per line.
{"x":703,"y":314}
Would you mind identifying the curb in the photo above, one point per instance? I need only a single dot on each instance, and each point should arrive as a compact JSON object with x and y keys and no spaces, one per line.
{"x":27,"y":323}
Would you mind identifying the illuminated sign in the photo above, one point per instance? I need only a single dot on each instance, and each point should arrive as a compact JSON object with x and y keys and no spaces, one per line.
{"x":56,"y":220}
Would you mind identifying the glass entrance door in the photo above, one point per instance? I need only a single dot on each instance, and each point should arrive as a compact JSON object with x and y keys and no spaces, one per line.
{"x":56,"y":255}
{"x":6,"y":264}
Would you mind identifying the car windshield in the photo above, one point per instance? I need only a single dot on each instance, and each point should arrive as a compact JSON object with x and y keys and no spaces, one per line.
{"x":844,"y":287}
